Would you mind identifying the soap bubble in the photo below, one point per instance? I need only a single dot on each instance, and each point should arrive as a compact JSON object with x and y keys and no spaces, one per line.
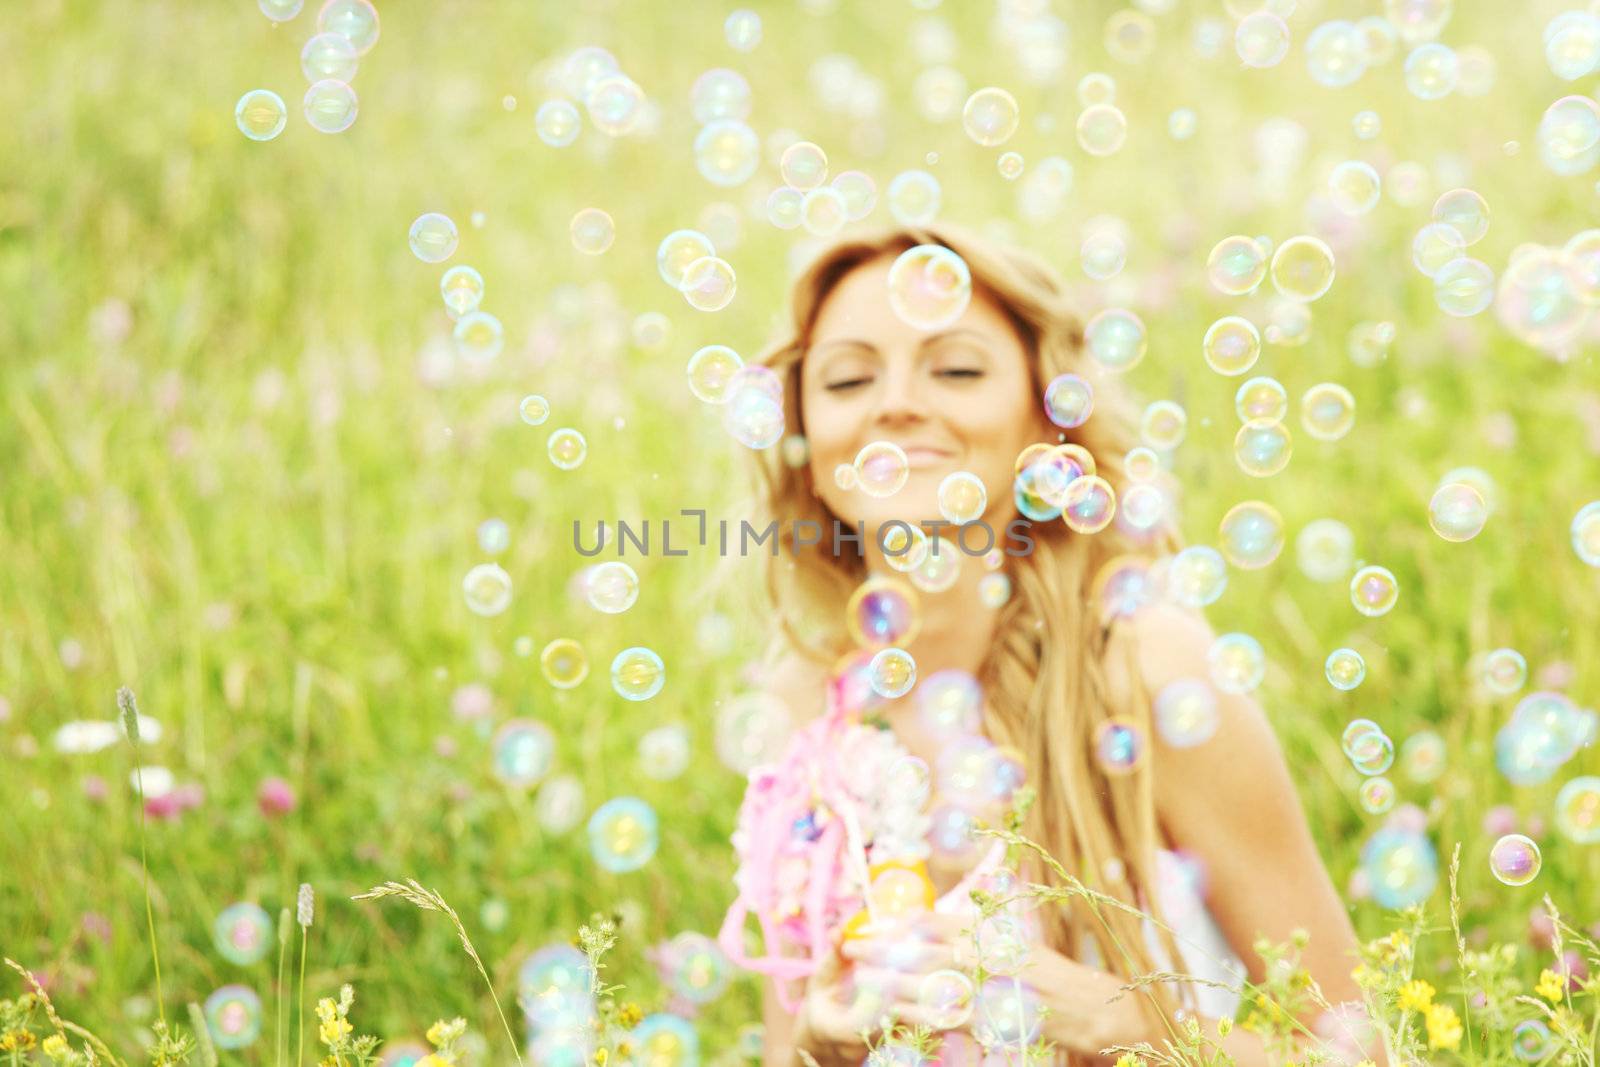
{"x":929,"y":286}
{"x":637,"y":673}
{"x":726,"y":152}
{"x":1586,"y":533}
{"x":1327,"y":411}
{"x":892,"y":673}
{"x":679,"y":250}
{"x":1119,"y":747}
{"x":260,"y":114}
{"x":487,"y":588}
{"x":478,"y":337}
{"x":1232,"y":345}
{"x":1336,"y":54}
{"x":1236,"y":265}
{"x":1515,"y":860}
{"x":1262,"y":447}
{"x":612,"y":587}
{"x":1068,"y":401}
{"x":947,"y":998}
{"x":534,"y":409}
{"x":1237,"y":663}
{"x":1302,"y":268}
{"x":1102,"y":130}
{"x":881,"y":469}
{"x":1261,"y":398}
{"x":1251,"y":535}
{"x":564,"y":663}
{"x":742,"y":30}
{"x":1354,"y":187}
{"x":1463,"y":287}
{"x":523,"y":750}
{"x":433,"y":237}
{"x":567,"y":448}
{"x":1466,"y":212}
{"x":1457,"y":512}
{"x":962,"y":497}
{"x":1197,"y":577}
{"x":615,"y":104}
{"x":356,"y":20}
{"x":557,"y":123}
{"x":461,"y":288}
{"x":1401,"y":865}
{"x":328,"y":55}
{"x":1261,"y":39}
{"x":330,"y":106}
{"x":1186,"y":712}
{"x":711,"y":370}
{"x":1374,"y":590}
{"x":1116,"y":339}
{"x":1504,"y":671}
{"x":1345,"y":668}
{"x":623,"y":834}
{"x":1577,"y":810}
{"x":991,"y":116}
{"x":804,"y":165}
{"x":914,"y":197}
{"x":592,"y":231}
{"x":709,"y":284}
{"x":1431,"y":71}
{"x":1376,"y":795}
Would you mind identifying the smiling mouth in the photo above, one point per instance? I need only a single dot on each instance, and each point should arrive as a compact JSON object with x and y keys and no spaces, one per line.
{"x":926,"y":457}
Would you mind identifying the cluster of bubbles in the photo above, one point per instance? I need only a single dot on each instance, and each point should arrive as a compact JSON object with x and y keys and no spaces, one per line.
{"x":346,"y":30}
{"x":1546,"y":729}
{"x":591,"y":78}
{"x":555,"y":989}
{"x":688,"y":262}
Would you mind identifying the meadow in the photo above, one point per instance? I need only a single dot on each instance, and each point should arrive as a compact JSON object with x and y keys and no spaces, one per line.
{"x":246,"y":471}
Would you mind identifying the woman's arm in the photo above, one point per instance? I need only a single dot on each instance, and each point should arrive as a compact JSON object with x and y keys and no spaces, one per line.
{"x":1231,"y":803}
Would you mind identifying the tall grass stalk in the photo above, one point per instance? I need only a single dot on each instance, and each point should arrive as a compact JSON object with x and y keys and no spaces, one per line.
{"x":130,"y":722}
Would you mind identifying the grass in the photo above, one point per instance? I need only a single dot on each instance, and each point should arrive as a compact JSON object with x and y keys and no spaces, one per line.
{"x":254,"y":505}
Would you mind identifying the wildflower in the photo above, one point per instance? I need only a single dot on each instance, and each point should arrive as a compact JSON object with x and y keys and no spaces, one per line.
{"x":305,"y":905}
{"x":600,"y":1057}
{"x":55,"y":1046}
{"x":1366,"y":1063}
{"x":629,"y":1015}
{"x":16,"y":1040}
{"x":275,"y":797}
{"x":1550,"y":987}
{"x":332,"y":1031}
{"x":1416,"y":995}
{"x":1128,"y":1059}
{"x":1444,"y":1029}
{"x":1224,"y":1026}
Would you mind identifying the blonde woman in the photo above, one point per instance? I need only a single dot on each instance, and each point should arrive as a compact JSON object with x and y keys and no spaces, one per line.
{"x":1053,"y":663}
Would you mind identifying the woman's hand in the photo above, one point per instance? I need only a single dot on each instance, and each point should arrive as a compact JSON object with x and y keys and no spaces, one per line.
{"x":834,"y":1011}
{"x":1085,"y":1012}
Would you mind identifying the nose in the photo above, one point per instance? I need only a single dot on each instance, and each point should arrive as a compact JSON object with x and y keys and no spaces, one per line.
{"x":901,"y":398}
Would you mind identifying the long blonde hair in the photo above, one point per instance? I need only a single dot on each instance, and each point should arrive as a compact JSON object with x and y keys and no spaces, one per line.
{"x":1045,"y":674}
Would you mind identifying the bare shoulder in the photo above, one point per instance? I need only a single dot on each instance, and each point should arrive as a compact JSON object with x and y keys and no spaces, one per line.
{"x":1158,"y":644}
{"x":798,"y":680}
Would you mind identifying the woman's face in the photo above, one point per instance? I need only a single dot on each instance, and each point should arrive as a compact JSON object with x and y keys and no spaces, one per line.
{"x":959,"y":398}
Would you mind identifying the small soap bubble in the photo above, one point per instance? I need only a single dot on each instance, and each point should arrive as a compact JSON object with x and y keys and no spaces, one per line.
{"x":1374,"y":590}
{"x":433,"y":237}
{"x":1237,"y":663}
{"x":1345,"y":669}
{"x":991,"y":116}
{"x":1327,"y":411}
{"x":567,"y":448}
{"x":1457,"y":512}
{"x":1251,"y":535}
{"x":487,"y":588}
{"x":592,"y":231}
{"x":1236,"y":265}
{"x":1302,"y":268}
{"x":534,"y":409}
{"x":1514,"y":860}
{"x":612,"y":587}
{"x":261,"y":114}
{"x":804,"y":165}
{"x":1102,"y":130}
{"x":623,"y":834}
{"x":564,"y":663}
{"x":330,"y":106}
{"x":557,"y":123}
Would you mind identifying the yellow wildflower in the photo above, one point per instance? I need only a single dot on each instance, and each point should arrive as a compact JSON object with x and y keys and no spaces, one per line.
{"x":628,"y":1015}
{"x":333,"y":1030}
{"x":326,"y":1009}
{"x":1416,"y":995}
{"x":600,"y":1057}
{"x":17,"y":1041}
{"x":1128,"y":1059}
{"x":1551,"y":987}
{"x":1444,"y":1029}
{"x":55,"y":1046}
{"x":1366,"y":1063}
{"x":433,"y":1059}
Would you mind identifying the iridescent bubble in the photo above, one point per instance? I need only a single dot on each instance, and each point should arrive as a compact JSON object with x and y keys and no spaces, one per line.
{"x":1366,"y":125}
{"x":882,"y":611}
{"x":1289,"y":323}
{"x":804,"y":165}
{"x":1372,"y":752}
{"x":1261,"y":398}
{"x":1572,"y":44}
{"x":592,"y":231}
{"x":494,"y":536}
{"x":1431,"y":71}
{"x":1236,"y":265}
{"x":1457,"y":512}
{"x":1090,"y":504}
{"x":1186,"y":712}
{"x":567,"y":448}
{"x":824,"y":212}
{"x":1141,"y":464}
{"x":1466,"y":212}
{"x":1515,"y":860}
{"x":1237,"y":663}
{"x":991,"y":116}
{"x":1336,"y":54}
{"x":752,"y":416}
{"x":487,"y":588}
{"x":260,"y":114}
{"x":1096,"y":88}
{"x":1376,"y":795}
{"x":710,"y":371}
{"x":946,"y":997}
{"x":612,"y":587}
{"x":524,"y":751}
{"x":1401,"y":865}
{"x":1010,"y":165}
{"x":893,"y":672}
{"x":1354,"y":187}
{"x":882,"y":469}
{"x":233,"y":1016}
{"x":564,"y":663}
{"x":557,"y":123}
{"x":1368,"y":343}
{"x":939,"y":93}
{"x":356,"y":20}
{"x":1262,"y":448}
{"x":1541,"y":299}
{"x":1251,"y":535}
{"x":1104,"y":252}
{"x":1302,"y":268}
{"x":1181,"y":123}
{"x":1374,"y":590}
{"x":1232,"y":345}
{"x":914,"y":197}
{"x":742,"y":30}
{"x":1586,"y":533}
{"x":1197,"y":577}
{"x":478,"y":336}
{"x":330,"y":106}
{"x":1119,"y":746}
{"x":698,"y":971}
{"x":1422,"y":756}
{"x":860,"y":193}
{"x":994,"y":590}
{"x":637,"y":673}
{"x":1261,"y":39}
{"x":1435,"y":245}
{"x":1355,"y":730}
{"x":1463,"y":287}
{"x":726,"y":152}
{"x":280,"y":10}
{"x":1577,"y":810}
{"x":328,"y":55}
{"x":1068,"y":401}
{"x":1102,"y":130}
{"x":752,"y":729}
{"x":783,"y":207}
{"x":1530,"y":1041}
{"x":709,"y":284}
{"x":962,"y":497}
{"x":242,"y":933}
{"x":1504,"y":671}
{"x":1116,"y":339}
{"x":1345,"y":668}
{"x":1002,"y":944}
{"x":1009,"y":1013}
{"x":433,"y":237}
{"x":461,"y":287}
{"x":615,"y":104}
{"x":534,"y":409}
{"x":1327,"y":411}
{"x":1164,"y":426}
{"x":1527,"y":752}
{"x":719,"y":93}
{"x":679,"y":250}
{"x":623,"y":834}
{"x":929,"y":286}
{"x":1570,"y":127}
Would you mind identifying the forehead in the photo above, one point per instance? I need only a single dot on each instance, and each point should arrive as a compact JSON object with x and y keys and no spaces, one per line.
{"x":858,"y":306}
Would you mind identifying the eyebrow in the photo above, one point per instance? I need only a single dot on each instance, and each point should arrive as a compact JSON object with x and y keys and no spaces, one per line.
{"x":930,"y":340}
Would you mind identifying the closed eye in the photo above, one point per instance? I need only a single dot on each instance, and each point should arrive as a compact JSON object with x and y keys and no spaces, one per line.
{"x":961,"y":372}
{"x":846,"y":384}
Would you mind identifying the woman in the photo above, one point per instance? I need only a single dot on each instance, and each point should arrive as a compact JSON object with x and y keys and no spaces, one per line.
{"x":1055,"y":661}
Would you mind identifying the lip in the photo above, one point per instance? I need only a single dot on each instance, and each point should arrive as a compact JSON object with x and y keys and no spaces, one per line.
{"x":925,"y":457}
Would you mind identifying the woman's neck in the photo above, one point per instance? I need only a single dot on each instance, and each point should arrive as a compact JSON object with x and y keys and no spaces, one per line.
{"x":956,"y":628}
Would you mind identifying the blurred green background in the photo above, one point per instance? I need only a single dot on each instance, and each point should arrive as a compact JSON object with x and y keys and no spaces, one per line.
{"x":243,"y":469}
